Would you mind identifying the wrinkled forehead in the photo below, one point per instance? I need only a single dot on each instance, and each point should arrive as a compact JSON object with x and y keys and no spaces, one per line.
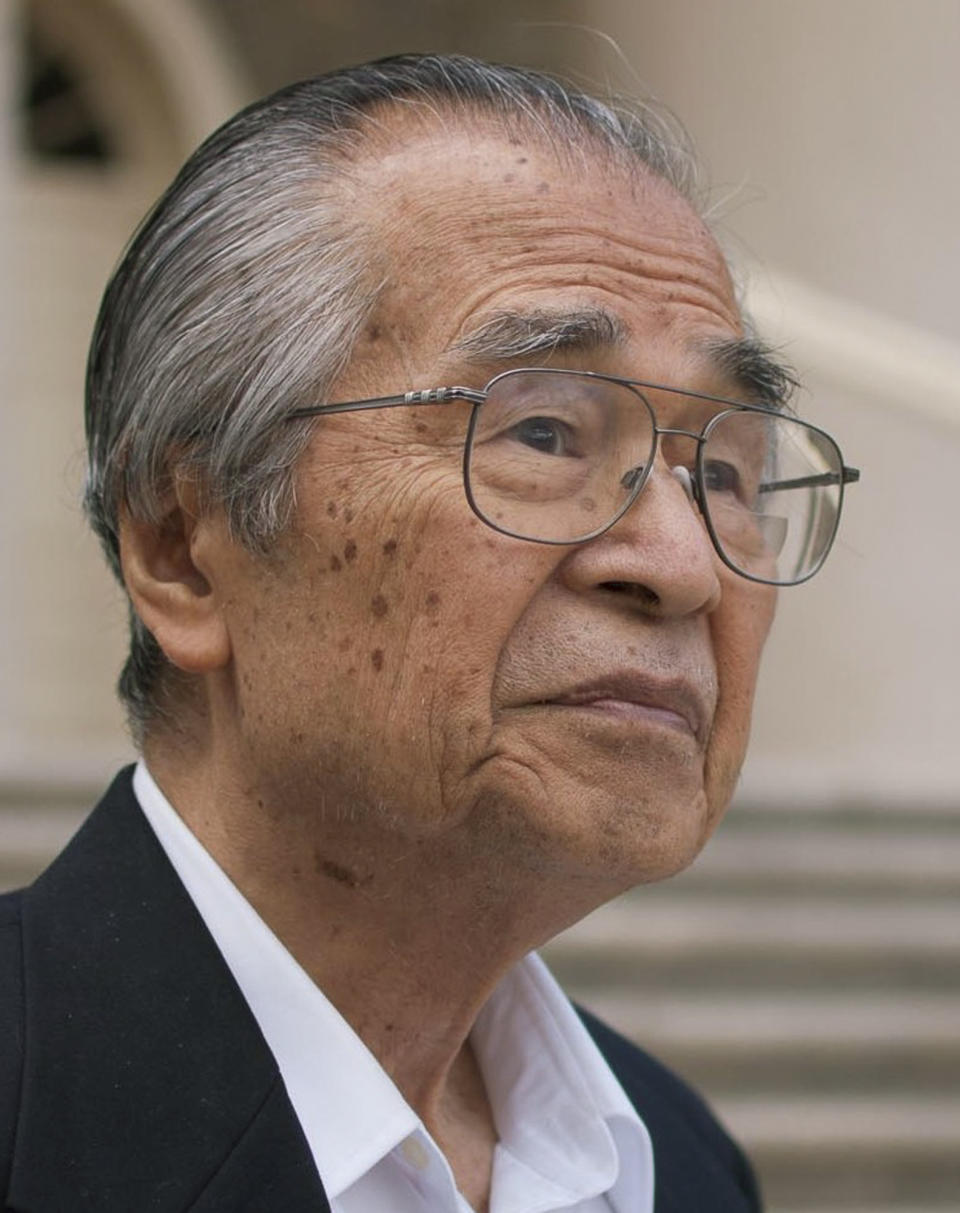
{"x":476,"y":219}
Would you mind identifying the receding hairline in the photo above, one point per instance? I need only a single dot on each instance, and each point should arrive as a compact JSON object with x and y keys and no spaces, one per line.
{"x":386,"y":130}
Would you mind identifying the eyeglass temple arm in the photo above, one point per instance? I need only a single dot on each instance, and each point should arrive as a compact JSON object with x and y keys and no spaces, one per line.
{"x":437,"y":395}
{"x":846,"y":476}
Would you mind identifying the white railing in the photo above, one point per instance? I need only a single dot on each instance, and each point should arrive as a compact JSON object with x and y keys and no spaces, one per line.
{"x":855,"y":347}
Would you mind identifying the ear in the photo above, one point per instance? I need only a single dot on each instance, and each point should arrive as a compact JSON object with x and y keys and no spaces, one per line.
{"x":169,"y":591}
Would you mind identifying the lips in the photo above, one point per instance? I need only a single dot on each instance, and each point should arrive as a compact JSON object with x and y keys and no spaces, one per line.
{"x":637,"y":695}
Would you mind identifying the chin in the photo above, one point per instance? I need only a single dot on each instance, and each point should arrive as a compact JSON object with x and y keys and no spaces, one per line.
{"x":657,"y":854}
{"x":612,"y":844}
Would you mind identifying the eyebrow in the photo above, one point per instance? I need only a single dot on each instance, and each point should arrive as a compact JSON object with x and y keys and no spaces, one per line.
{"x":508,"y":335}
{"x":754,"y":368}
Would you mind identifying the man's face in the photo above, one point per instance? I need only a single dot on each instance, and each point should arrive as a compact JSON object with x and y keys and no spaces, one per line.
{"x":583,"y":709}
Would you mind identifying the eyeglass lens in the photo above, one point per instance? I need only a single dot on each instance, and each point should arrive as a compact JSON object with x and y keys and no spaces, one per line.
{"x":558,"y":457}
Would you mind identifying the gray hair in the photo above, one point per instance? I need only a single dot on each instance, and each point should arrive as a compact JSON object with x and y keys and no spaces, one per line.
{"x":244,"y":291}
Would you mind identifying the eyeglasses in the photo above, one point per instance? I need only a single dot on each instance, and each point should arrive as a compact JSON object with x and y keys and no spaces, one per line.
{"x":558,"y":456}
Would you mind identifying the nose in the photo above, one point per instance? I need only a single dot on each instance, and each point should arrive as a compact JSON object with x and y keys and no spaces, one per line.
{"x":658,"y":554}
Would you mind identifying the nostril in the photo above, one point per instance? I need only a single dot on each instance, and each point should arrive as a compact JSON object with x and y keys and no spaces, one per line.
{"x":633,"y":589}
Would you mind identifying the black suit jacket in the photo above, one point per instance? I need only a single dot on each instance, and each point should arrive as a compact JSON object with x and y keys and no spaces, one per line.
{"x":134,"y":1078}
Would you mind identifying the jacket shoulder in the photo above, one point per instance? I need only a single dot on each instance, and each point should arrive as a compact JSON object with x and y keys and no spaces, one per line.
{"x":698,"y":1164}
{"x":11,"y":1026}
{"x":146,"y":1082}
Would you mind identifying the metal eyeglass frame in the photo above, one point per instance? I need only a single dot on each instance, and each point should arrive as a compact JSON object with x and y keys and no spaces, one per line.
{"x":631,"y":480}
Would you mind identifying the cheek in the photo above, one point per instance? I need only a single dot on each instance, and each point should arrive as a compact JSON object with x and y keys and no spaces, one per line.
{"x":386,"y":645}
{"x":445,"y":617}
{"x":740,"y":628}
{"x":376,"y":571}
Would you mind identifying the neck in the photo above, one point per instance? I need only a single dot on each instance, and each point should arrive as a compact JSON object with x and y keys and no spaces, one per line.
{"x":406,"y":935}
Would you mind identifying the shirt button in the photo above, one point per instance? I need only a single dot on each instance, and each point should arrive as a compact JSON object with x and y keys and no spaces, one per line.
{"x":415,"y":1152}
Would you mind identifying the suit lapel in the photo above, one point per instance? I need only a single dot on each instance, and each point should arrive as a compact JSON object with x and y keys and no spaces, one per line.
{"x":147,"y":1083}
{"x":697,"y":1165}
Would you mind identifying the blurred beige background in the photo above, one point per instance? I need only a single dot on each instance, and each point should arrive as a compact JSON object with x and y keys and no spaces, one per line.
{"x":828,"y":129}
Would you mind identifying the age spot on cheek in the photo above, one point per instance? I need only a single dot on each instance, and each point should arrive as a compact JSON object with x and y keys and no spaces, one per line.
{"x":336,"y":564}
{"x":390,"y":547}
{"x":432,"y":602}
{"x":350,"y":551}
{"x":332,"y":509}
{"x":376,"y":659}
{"x":378,"y":606}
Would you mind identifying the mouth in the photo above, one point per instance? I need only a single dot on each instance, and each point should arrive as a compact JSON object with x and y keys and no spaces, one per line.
{"x":640,"y":699}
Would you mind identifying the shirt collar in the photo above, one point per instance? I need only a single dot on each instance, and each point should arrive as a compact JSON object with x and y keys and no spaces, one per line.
{"x":350,"y":1111}
{"x":561,"y":1115}
{"x":557,"y":1104}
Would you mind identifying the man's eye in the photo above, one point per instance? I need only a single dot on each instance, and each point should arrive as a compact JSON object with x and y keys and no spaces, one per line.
{"x":544,"y":434}
{"x":720,"y":477}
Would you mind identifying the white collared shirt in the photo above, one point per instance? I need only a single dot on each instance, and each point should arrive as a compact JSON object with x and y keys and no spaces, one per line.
{"x":569,"y":1139}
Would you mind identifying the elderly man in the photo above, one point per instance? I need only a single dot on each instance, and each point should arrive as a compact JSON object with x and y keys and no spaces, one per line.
{"x":421,"y":673}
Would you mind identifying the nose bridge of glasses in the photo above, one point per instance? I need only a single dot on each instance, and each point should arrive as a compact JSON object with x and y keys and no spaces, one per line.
{"x":636,"y":476}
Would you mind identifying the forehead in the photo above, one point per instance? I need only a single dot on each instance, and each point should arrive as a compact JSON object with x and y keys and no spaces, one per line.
{"x":475,"y":221}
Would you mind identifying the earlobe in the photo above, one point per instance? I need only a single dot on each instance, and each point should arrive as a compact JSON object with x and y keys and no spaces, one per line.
{"x":173,"y":596}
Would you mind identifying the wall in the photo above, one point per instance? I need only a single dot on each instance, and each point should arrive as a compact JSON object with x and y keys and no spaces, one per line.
{"x":156,"y":81}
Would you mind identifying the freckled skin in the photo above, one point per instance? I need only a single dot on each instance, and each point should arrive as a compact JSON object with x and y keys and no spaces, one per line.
{"x":465,"y":750}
